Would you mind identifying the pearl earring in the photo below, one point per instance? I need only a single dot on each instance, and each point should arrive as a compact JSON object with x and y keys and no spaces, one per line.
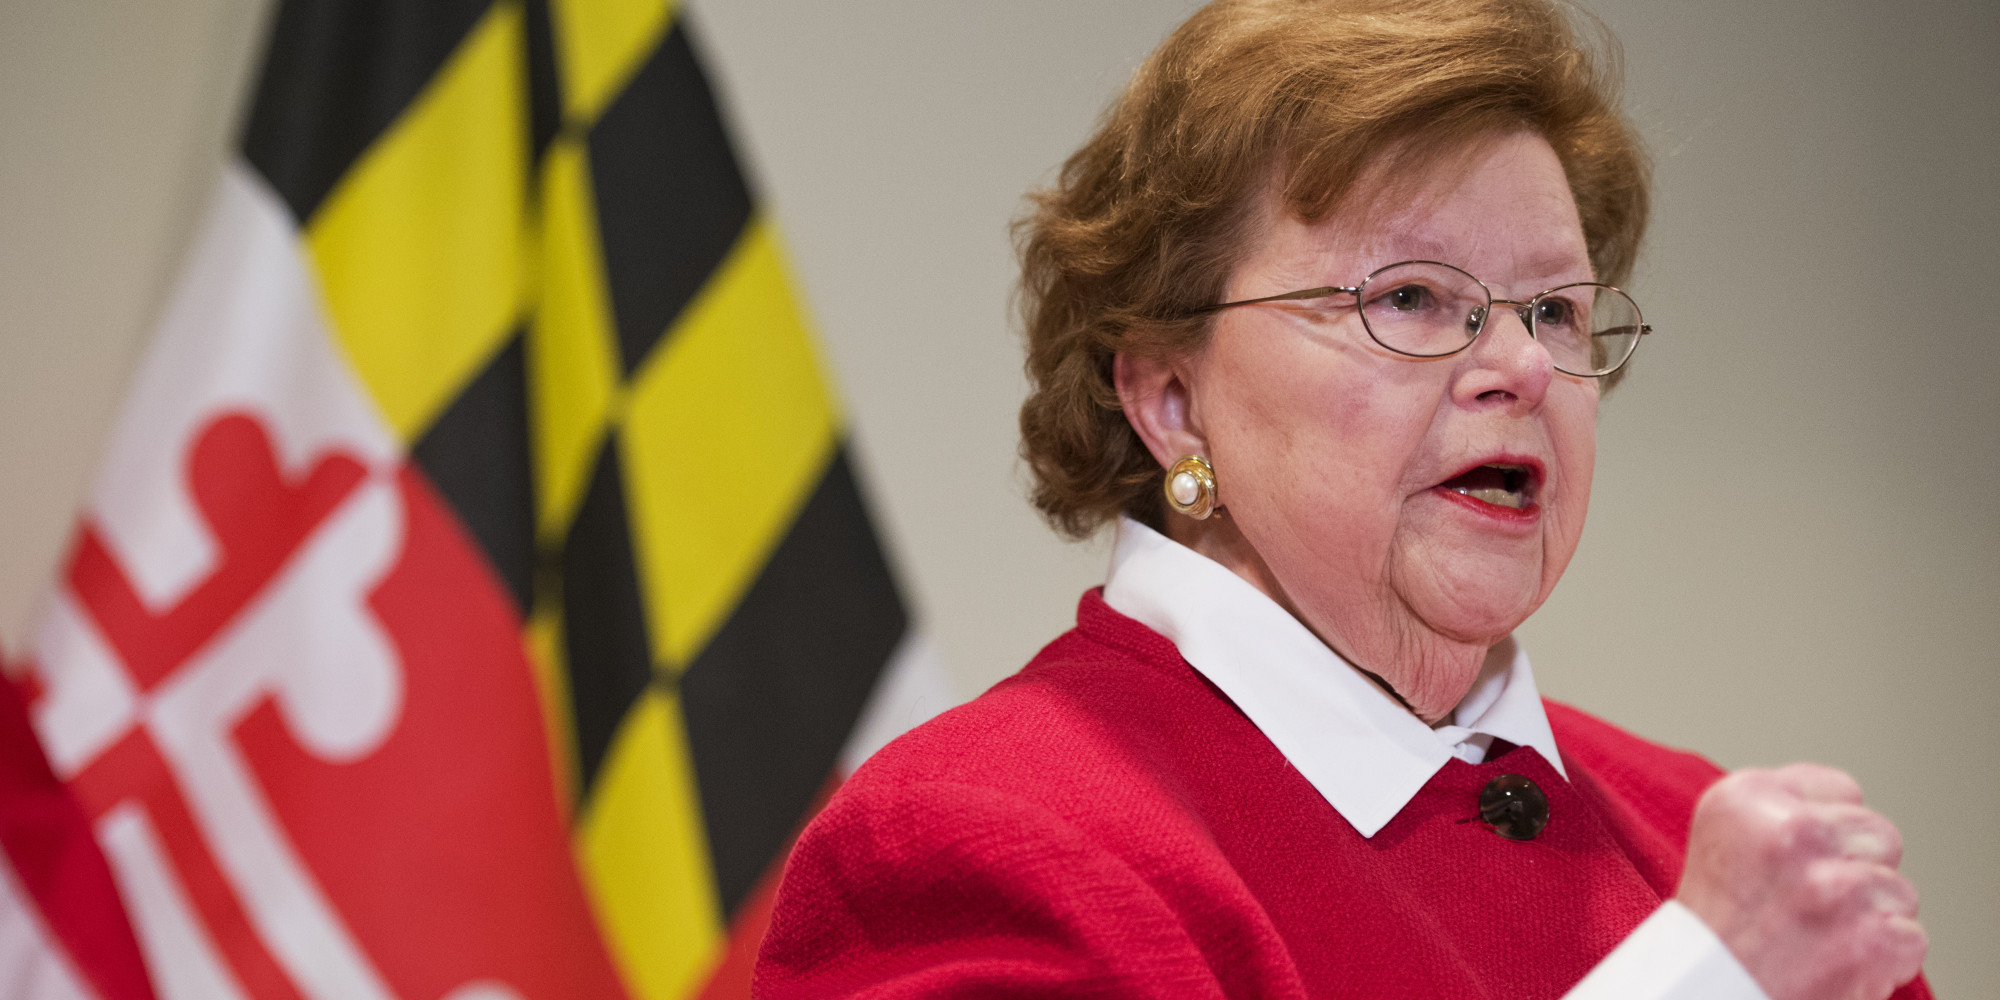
{"x":1190,"y":487}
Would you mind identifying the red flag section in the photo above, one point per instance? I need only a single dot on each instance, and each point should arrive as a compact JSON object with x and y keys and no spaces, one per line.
{"x":388,"y":808}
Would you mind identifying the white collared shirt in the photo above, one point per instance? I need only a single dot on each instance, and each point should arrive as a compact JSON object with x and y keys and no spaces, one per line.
{"x":1327,"y":717}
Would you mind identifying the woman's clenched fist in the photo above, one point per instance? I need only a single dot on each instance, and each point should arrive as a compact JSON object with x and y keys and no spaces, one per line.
{"x":1799,"y":879}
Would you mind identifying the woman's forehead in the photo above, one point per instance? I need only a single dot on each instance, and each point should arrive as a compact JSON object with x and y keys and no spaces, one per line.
{"x":1506,"y":208}
{"x":1518,"y":251}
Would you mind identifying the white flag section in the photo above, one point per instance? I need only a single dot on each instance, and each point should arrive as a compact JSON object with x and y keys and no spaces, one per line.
{"x":241,"y":358}
{"x":284,"y":689}
{"x":242,"y":332}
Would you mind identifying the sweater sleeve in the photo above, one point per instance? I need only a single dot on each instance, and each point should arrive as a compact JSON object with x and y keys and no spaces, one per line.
{"x":935,"y":889}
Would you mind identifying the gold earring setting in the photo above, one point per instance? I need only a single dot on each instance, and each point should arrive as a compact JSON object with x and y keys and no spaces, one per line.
{"x":1190,"y":487}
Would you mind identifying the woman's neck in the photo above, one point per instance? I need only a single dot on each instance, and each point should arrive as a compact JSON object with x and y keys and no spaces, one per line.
{"x":1427,"y":673}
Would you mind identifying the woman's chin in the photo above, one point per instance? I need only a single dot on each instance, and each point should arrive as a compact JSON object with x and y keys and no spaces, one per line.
{"x":1474,"y":609}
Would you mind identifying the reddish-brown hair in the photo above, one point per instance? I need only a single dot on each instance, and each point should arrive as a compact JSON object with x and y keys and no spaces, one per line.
{"x":1148,"y":219}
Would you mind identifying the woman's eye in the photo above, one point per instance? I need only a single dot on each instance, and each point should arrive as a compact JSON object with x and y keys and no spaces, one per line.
{"x":1554,"y":312}
{"x":1408,"y":298}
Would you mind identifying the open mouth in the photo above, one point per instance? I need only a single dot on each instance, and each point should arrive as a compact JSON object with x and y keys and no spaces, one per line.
{"x":1511,"y":486}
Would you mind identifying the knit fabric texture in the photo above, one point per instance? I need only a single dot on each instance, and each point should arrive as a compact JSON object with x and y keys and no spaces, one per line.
{"x":1105,"y":823}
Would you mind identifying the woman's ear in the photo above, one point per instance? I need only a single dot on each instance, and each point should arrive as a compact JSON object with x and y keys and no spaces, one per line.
{"x":1158,"y":403}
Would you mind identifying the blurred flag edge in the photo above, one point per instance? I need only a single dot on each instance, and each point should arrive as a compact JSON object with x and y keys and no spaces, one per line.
{"x":63,"y":932}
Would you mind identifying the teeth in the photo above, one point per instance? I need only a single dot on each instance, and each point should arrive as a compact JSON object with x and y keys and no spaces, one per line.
{"x":1497,"y":497}
{"x":1499,"y":485}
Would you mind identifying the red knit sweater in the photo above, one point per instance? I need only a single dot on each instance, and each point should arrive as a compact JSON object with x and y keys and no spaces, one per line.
{"x":1107,"y":824}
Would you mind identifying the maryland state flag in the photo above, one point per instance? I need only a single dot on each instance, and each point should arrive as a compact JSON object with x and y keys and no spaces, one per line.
{"x":477,"y":595}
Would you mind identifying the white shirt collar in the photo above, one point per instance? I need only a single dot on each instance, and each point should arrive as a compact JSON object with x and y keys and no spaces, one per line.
{"x":1364,"y":752}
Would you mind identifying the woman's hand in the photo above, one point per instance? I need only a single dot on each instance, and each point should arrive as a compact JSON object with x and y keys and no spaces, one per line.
{"x":1799,"y":879}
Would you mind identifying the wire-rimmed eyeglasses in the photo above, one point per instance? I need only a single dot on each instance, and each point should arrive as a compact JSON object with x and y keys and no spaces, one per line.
{"x":1425,"y":309}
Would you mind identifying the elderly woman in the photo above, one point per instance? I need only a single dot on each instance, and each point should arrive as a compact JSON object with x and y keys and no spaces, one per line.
{"x":1320,"y":319}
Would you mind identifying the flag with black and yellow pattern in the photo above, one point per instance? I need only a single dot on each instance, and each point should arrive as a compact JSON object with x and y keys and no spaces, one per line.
{"x":477,"y":595}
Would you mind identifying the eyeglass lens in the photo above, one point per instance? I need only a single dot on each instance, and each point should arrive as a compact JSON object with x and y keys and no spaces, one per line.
{"x":1428,"y":310}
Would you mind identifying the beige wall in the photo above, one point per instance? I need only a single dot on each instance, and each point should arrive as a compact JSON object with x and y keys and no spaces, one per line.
{"x":1795,"y":547}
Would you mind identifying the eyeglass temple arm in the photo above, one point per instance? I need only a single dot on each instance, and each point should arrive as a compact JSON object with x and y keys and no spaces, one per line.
{"x":1620,"y":331}
{"x":1303,"y":293}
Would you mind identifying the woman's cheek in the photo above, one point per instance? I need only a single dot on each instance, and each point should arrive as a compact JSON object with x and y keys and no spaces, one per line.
{"x":1577,"y":448}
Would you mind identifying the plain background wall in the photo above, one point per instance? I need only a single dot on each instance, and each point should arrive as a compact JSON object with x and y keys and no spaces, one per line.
{"x":1794,"y":550}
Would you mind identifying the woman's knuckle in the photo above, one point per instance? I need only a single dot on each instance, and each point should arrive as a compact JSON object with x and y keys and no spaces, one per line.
{"x":1892,"y":839}
{"x":1798,"y":831}
{"x":1891,"y":951}
{"x":1894,"y":895}
{"x":1916,"y":945}
{"x":1826,"y":888}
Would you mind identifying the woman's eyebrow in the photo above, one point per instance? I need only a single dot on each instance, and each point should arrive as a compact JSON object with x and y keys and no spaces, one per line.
{"x":1408,"y":246}
{"x":1557,"y":267}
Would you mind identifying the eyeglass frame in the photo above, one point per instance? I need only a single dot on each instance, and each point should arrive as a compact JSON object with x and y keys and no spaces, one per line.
{"x":1523,"y":310}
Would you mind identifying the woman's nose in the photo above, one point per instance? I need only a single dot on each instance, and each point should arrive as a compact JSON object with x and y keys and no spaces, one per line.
{"x":1477,"y":321}
{"x":1505,"y":359}
{"x":1520,"y":309}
